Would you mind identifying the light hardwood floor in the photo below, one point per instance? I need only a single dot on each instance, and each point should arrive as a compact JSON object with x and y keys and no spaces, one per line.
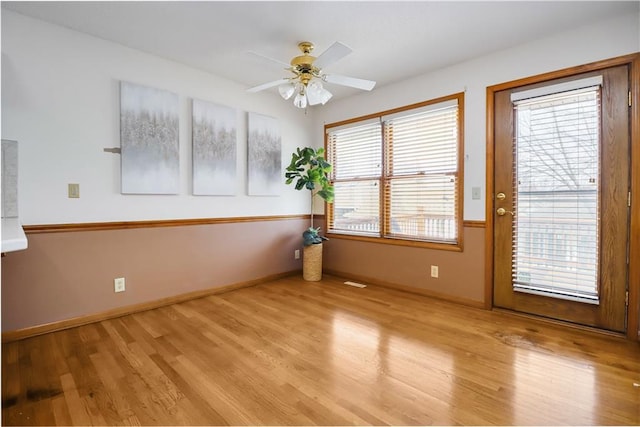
{"x":297,"y":353}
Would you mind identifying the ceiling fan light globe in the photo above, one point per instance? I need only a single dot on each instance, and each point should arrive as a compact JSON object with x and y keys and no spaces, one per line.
{"x":300,"y":100}
{"x":325,"y":96}
{"x":286,"y":90}
{"x":315,"y":86}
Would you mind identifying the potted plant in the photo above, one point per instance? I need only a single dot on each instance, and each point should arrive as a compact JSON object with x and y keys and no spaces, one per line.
{"x":310,"y":170}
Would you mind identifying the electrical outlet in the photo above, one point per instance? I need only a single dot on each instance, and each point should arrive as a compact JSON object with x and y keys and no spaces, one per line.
{"x":434,"y":271}
{"x":118,"y":284}
{"x":296,"y":254}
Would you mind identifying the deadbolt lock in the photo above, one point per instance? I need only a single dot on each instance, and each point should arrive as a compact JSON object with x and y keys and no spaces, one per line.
{"x":500,"y":196}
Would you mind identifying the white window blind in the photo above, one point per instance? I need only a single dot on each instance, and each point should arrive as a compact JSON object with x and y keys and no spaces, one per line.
{"x":356,"y":155}
{"x":556,"y":232}
{"x":397,"y":177}
{"x":421,"y":172}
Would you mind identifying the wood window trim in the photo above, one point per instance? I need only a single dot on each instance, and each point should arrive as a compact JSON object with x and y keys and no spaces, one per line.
{"x":633,"y":61}
{"x":459,"y":245}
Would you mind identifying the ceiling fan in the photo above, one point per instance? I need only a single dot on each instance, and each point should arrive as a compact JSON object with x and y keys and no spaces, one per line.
{"x":308,"y":76}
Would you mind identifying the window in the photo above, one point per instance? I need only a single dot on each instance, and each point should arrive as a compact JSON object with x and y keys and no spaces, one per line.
{"x":397,"y":174}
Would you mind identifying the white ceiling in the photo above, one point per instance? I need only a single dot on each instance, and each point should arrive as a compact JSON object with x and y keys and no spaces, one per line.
{"x":391,"y":40}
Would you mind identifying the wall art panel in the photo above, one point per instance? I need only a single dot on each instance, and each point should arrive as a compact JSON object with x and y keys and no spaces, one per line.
{"x":265,"y":176}
{"x":215,"y":147}
{"x":149,"y":141}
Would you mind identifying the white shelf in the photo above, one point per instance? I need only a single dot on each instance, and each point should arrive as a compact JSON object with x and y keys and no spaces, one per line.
{"x":13,"y":237}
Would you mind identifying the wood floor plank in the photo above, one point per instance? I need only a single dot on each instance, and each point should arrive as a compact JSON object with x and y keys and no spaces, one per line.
{"x":292,"y":352}
{"x":61,"y":411}
{"x":204,"y":413}
{"x":80,"y":415}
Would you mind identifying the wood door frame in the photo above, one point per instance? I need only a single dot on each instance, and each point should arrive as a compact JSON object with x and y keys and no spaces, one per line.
{"x":633,"y":61}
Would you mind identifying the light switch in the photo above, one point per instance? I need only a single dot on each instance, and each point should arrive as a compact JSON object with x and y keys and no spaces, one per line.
{"x":475,"y":193}
{"x":74,"y":191}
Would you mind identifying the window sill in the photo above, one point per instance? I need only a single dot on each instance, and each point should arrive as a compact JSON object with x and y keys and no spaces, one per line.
{"x":453,"y":247}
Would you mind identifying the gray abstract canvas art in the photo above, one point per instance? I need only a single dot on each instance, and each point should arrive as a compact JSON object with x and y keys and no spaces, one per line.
{"x":150,"y":162}
{"x":214,"y":149}
{"x":264,"y":156}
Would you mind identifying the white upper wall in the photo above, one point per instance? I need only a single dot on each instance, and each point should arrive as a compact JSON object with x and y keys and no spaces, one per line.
{"x":60,"y":101}
{"x":599,"y":41}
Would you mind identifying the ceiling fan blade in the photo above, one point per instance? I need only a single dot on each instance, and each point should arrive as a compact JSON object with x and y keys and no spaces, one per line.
{"x":335,"y":52}
{"x":349,"y":81}
{"x":270,"y":60}
{"x":267,"y":85}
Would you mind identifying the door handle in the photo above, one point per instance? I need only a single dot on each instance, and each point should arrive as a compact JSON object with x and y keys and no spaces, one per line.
{"x":502,"y":211}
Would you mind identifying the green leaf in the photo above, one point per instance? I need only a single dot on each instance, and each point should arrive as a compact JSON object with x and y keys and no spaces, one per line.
{"x":326,"y":194}
{"x":314,"y":175}
{"x":312,"y":170}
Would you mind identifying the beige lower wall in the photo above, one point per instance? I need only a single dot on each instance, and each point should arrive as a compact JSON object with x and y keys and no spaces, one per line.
{"x":65,"y":275}
{"x":461,"y":274}
{"x":70,"y":274}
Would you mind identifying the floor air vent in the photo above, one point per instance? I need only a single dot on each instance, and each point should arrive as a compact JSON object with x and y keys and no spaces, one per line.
{"x":357,"y":285}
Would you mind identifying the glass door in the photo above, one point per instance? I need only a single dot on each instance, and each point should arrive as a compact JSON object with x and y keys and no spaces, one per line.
{"x":562,"y":180}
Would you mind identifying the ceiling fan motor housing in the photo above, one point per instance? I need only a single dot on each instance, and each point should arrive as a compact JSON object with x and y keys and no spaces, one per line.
{"x":302,"y":65}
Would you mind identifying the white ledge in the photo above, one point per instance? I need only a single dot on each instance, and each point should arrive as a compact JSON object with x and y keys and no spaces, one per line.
{"x":13,"y":237}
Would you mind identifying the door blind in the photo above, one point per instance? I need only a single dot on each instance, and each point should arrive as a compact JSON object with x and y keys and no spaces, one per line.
{"x":556,"y":196}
